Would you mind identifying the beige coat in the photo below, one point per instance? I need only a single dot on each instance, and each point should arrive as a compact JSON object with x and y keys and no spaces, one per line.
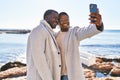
{"x":72,"y":40}
{"x":43,"y":60}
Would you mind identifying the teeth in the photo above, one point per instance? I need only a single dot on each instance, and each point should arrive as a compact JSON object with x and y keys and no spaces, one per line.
{"x":65,"y":24}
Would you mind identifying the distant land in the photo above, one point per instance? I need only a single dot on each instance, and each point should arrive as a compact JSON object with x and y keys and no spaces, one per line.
{"x":24,"y":31}
{"x":15,"y":31}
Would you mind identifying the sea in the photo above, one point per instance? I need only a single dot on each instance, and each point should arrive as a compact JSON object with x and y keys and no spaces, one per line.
{"x":13,"y":46}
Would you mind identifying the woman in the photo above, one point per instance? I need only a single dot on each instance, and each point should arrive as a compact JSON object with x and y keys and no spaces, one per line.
{"x":68,"y":40}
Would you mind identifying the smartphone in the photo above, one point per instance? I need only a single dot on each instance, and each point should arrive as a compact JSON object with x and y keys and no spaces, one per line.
{"x":93,"y":8}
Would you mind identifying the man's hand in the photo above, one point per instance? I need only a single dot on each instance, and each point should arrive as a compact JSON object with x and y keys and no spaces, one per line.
{"x":96,"y":19}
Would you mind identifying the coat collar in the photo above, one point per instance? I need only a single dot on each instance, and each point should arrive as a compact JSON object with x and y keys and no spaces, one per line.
{"x":44,"y":22}
{"x":50,"y":30}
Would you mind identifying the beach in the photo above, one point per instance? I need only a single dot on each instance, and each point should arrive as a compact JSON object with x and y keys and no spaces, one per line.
{"x":101,"y":70}
{"x":105,"y":45}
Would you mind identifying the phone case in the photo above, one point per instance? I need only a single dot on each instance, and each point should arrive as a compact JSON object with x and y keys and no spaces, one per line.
{"x":93,"y":8}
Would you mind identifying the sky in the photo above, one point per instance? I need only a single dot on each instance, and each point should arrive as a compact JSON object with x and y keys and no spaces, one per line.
{"x":26,"y":14}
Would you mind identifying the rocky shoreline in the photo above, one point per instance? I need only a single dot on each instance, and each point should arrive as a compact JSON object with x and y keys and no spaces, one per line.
{"x":103,"y":69}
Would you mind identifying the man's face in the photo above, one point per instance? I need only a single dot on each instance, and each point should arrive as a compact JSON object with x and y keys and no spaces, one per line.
{"x":64,"y":23}
{"x":52,"y":19}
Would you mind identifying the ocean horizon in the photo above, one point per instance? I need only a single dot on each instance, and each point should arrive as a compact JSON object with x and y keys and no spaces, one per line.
{"x":13,"y":46}
{"x":106,"y":44}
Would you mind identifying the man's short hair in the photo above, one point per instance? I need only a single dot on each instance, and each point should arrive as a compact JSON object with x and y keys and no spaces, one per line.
{"x":48,"y":12}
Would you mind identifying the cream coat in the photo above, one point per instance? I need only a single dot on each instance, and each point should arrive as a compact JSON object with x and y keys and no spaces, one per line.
{"x":71,"y":43}
{"x":43,"y":60}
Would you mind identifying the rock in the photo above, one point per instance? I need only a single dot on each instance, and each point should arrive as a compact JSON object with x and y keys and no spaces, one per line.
{"x":115,"y":71}
{"x":105,"y":67}
{"x":17,"y":78}
{"x":11,"y":65}
{"x":102,"y":67}
{"x":99,"y":60}
{"x":117,"y":60}
{"x":13,"y":72}
{"x":107,"y":59}
{"x":104,"y":59}
{"x":110,"y":78}
{"x":89,"y":73}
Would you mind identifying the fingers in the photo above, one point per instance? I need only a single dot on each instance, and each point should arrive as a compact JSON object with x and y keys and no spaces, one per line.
{"x":95,"y":18}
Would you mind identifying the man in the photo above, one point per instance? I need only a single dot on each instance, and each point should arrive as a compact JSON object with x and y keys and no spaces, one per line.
{"x":43,"y":58}
{"x":68,"y":40}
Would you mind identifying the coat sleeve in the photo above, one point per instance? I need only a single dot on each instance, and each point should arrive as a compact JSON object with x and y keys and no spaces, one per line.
{"x":86,"y":32}
{"x":38,"y":54}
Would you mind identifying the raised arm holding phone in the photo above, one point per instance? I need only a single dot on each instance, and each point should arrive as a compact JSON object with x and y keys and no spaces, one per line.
{"x":95,"y":17}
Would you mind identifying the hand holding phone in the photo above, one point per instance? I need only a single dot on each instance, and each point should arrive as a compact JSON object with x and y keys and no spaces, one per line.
{"x":93,"y":10}
{"x":95,"y":17}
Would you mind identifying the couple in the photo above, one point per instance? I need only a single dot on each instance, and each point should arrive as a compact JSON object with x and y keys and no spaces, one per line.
{"x":56,"y":56}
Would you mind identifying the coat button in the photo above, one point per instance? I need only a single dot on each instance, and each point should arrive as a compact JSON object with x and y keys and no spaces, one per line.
{"x":58,"y":53}
{"x":59,"y":65}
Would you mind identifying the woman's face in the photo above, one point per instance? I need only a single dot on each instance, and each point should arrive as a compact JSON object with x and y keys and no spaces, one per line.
{"x":64,"y":23}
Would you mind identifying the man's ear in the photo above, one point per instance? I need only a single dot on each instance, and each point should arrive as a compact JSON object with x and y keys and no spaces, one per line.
{"x":45,"y":18}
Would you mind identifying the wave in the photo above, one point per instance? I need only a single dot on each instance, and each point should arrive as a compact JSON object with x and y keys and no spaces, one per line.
{"x":103,"y":45}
